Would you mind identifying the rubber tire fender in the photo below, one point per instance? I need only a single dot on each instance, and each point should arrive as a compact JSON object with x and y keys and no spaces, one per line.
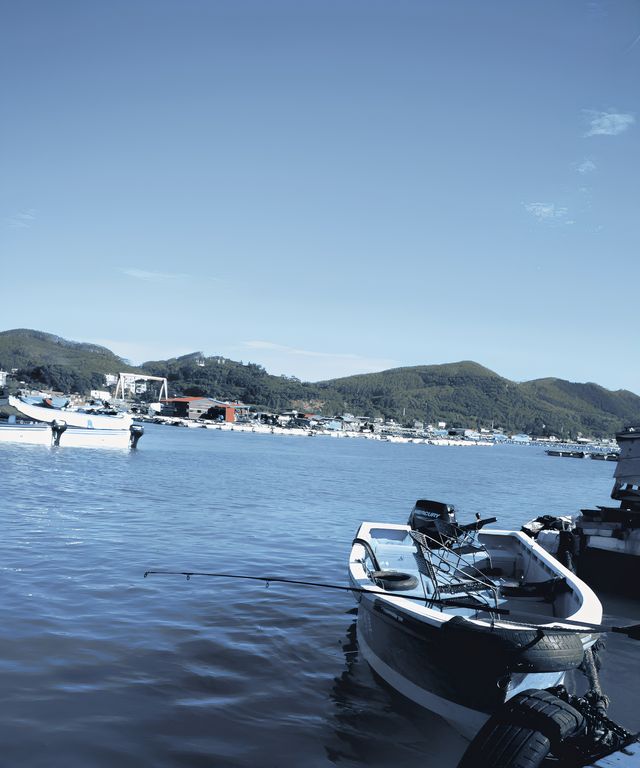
{"x":394,"y":581}
{"x":506,"y":746}
{"x":523,"y":732}
{"x":528,"y":649}
{"x":546,"y":713}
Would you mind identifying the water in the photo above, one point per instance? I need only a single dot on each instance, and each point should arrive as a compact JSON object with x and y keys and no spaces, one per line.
{"x":101,"y":667}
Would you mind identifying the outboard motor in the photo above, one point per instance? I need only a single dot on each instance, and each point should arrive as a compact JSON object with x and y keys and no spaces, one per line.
{"x":436,"y":520}
{"x":136,"y":432}
{"x":57,"y":428}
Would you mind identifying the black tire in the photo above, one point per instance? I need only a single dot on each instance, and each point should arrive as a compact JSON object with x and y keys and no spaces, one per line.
{"x":551,"y":652}
{"x":526,"y":650}
{"x":546,"y":713}
{"x":394,"y":581}
{"x":523,"y":732}
{"x":506,"y":746}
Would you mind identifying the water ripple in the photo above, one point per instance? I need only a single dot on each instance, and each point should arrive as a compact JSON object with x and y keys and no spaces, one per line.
{"x":101,"y":667}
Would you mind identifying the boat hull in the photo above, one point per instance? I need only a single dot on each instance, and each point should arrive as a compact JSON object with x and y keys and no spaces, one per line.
{"x":457,"y":661}
{"x":27,"y":435}
{"x":610,"y":571}
{"x":420,"y":661}
{"x":46,"y":435}
{"x":71,"y":418}
{"x":465,"y":720}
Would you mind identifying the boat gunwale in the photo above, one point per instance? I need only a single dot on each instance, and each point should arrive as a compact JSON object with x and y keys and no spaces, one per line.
{"x":589,"y":611}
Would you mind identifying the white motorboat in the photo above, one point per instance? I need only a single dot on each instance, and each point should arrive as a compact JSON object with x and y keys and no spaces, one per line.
{"x":459,"y":620}
{"x":59,"y":434}
{"x":73,"y":418}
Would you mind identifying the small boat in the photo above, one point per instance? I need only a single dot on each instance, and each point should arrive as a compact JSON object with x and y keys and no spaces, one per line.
{"x":609,"y":456}
{"x":59,"y":434}
{"x":73,"y":418}
{"x":434,"y":597}
{"x":602,"y":544}
{"x":566,"y":454}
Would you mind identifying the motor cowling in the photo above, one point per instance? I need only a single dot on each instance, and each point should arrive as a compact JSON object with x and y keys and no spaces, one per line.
{"x":435,"y":519}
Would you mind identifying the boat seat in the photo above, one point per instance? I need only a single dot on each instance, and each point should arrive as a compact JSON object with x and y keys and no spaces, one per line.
{"x":467,"y":549}
{"x":458,"y":587}
{"x":547,"y":590}
{"x":478,"y":568}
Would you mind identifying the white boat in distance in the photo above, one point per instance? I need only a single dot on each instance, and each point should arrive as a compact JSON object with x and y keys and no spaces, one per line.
{"x":433,"y":599}
{"x":58,"y":434}
{"x":83,"y":419}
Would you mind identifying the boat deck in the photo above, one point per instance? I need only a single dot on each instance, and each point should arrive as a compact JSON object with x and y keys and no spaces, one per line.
{"x":461,"y":575}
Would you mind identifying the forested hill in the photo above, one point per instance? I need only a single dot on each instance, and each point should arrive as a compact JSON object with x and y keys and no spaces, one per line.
{"x":461,"y":394}
{"x":467,"y":393}
{"x":51,"y":361}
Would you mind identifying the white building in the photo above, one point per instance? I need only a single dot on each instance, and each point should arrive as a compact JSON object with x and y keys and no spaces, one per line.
{"x":100,"y":394}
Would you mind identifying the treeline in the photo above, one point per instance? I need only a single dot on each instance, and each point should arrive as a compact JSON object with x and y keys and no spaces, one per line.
{"x":461,"y":394}
{"x":60,"y":378}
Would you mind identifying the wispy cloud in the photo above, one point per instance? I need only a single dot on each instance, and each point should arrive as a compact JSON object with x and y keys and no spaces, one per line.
{"x":609,"y":123}
{"x":547,"y":211}
{"x":141,"y":352}
{"x":586,"y":166}
{"x":313,"y":364}
{"x":21,"y":220}
{"x":596,"y":10}
{"x":636,"y":40}
{"x":152,"y":277}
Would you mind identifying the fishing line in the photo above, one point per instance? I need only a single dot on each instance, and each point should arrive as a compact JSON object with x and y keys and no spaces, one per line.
{"x":324,"y":585}
{"x":632,"y":631}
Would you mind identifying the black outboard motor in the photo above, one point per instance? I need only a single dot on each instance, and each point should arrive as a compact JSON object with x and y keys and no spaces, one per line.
{"x":136,"y":432}
{"x":57,"y":428}
{"x":436,"y":520}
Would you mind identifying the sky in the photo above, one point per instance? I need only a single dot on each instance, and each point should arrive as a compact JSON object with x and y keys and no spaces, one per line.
{"x":327,"y":187}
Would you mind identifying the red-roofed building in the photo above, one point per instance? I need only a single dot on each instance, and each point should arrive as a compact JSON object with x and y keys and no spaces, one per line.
{"x":201,"y":408}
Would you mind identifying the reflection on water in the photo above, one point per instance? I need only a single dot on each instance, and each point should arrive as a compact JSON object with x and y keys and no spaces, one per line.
{"x":375,"y":725}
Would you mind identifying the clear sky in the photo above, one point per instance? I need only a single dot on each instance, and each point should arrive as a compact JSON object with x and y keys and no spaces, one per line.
{"x":327,"y":187}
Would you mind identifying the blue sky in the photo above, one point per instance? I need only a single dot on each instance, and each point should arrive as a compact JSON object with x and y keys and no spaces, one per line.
{"x":327,"y":187}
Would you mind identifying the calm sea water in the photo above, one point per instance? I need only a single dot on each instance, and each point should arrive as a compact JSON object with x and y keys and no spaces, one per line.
{"x":101,"y":667}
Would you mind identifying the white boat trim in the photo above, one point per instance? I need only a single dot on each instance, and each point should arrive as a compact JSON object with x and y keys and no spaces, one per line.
{"x":70,"y":437}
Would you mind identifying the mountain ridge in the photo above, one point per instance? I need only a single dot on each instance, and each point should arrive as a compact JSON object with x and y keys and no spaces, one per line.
{"x":463,"y":393}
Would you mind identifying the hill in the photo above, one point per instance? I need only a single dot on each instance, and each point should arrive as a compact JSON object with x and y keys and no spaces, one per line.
{"x":50,"y":361}
{"x":468,"y":394}
{"x":463,"y":394}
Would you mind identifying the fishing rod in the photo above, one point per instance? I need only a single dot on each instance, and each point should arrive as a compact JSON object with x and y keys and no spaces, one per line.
{"x":323,"y":585}
{"x":632,"y":630}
